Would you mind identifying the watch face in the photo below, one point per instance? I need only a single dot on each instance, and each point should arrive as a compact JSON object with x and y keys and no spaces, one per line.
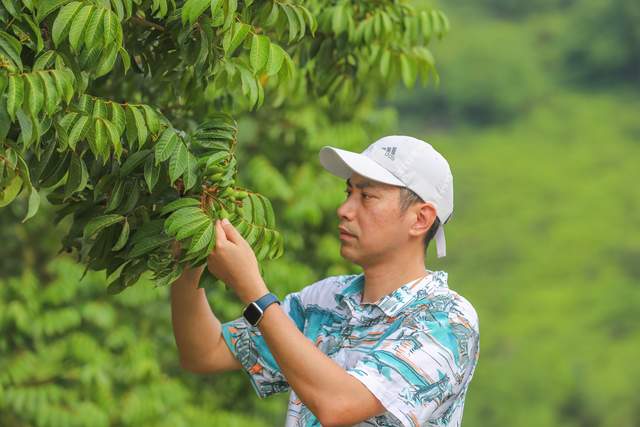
{"x":252,"y":313}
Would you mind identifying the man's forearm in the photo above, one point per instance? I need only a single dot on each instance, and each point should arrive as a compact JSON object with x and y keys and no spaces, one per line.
{"x":317,"y":379}
{"x":195,"y":327}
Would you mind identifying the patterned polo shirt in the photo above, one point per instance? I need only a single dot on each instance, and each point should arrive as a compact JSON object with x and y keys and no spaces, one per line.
{"x":415,"y":349}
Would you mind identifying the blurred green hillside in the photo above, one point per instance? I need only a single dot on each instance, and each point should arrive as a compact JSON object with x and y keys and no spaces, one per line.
{"x":542,"y":131}
{"x":538,"y":113}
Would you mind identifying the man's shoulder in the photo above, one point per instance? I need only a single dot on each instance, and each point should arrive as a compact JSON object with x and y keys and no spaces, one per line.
{"x":323,"y":291}
{"x":441,"y":300}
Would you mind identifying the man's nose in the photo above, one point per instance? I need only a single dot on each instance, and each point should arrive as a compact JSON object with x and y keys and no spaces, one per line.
{"x":345,"y":210}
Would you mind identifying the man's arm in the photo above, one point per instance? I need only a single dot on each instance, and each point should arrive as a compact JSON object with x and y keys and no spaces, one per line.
{"x":196,"y":329}
{"x":334,"y":396}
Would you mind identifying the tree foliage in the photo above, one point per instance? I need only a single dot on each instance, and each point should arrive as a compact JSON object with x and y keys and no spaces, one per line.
{"x":73,"y":356}
{"x":122,"y":112}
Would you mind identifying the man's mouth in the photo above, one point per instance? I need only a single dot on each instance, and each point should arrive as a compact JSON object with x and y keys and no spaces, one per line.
{"x":345,"y":233}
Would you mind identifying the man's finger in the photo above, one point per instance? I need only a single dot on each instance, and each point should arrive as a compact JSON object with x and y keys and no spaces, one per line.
{"x":221,"y":236}
{"x":232,"y":234}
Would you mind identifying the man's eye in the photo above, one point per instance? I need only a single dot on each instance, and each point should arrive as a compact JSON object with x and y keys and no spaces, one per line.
{"x":366,"y":195}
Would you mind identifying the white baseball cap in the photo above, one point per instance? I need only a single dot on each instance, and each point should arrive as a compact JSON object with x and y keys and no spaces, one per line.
{"x":403,"y":161}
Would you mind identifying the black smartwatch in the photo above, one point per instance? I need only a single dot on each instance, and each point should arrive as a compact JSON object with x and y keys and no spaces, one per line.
{"x":255,"y":310}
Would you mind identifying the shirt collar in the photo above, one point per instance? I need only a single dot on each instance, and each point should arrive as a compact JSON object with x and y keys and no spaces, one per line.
{"x":392,"y":303}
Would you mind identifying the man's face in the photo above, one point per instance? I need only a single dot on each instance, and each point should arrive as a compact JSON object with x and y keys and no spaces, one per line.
{"x":371,"y":213}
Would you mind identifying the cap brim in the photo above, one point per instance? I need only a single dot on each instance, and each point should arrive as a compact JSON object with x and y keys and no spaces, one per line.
{"x":343,"y":163}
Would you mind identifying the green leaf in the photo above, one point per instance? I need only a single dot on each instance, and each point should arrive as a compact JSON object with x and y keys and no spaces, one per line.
{"x":118,"y":117}
{"x":152,"y":119}
{"x":339,"y":19}
{"x":292,"y":20}
{"x":43,"y":61}
{"x":63,"y":80}
{"x":193,"y":9}
{"x":11,"y":47}
{"x":97,"y":224}
{"x":63,"y":21}
{"x":35,"y":94}
{"x":112,"y":29}
{"x":78,"y":176}
{"x":435,"y":22}
{"x":264,"y":244}
{"x":133,"y":161}
{"x":278,"y":247}
{"x":94,"y":28}
{"x":201,"y":239}
{"x":179,"y":203}
{"x":276,"y":58}
{"x":114,"y":137}
{"x":258,"y":211}
{"x":253,"y":235}
{"x":190,"y":175}
{"x":78,"y":25}
{"x":230,"y":8}
{"x":445,"y":22}
{"x":57,"y":172}
{"x":100,"y":139}
{"x":151,"y":173}
{"x":178,"y":162}
{"x":9,"y":193}
{"x":182,"y":217}
{"x":44,"y":159}
{"x":45,"y":7}
{"x":301,"y":23}
{"x":33,"y":204}
{"x":311,"y":21}
{"x":149,"y":244}
{"x":116,"y":197}
{"x":239,"y":31}
{"x":259,"y":53}
{"x":166,"y":145}
{"x":272,"y":18}
{"x":215,"y":4}
{"x":133,"y":195}
{"x":15,"y":95}
{"x":192,"y":228}
{"x":106,"y":61}
{"x":270,"y":219}
{"x":126,"y":61}
{"x":119,"y":9}
{"x":249,"y":85}
{"x":425,"y":25}
{"x":408,"y":70}
{"x":26,"y":128}
{"x":99,"y":109}
{"x":123,"y":238}
{"x":140,"y":126}
{"x":385,"y":62}
{"x":78,"y":131}
{"x":51,"y":95}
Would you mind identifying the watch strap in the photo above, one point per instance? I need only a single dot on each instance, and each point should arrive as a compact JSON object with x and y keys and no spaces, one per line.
{"x":255,"y":310}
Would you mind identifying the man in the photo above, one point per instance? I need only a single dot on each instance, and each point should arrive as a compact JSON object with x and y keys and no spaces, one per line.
{"x":392,"y":346}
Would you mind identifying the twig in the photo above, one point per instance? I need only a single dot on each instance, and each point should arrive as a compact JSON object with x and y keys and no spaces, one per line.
{"x":146,"y":23}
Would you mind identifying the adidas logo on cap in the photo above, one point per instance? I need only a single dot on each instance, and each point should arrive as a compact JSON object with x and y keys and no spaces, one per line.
{"x":390,"y":152}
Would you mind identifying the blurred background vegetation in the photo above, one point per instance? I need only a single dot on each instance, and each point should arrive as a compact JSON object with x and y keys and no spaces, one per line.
{"x":537,"y":112}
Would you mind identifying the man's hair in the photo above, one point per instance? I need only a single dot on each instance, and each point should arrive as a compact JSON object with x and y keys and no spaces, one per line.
{"x":407,"y":199}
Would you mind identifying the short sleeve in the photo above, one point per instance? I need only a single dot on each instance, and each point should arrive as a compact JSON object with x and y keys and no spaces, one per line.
{"x":249,"y":347}
{"x":415,"y":372}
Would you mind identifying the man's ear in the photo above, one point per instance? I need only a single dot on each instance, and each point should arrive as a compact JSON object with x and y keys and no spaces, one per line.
{"x":425,"y":216}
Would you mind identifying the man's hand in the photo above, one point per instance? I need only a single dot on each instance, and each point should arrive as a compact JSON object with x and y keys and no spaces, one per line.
{"x":234,"y":262}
